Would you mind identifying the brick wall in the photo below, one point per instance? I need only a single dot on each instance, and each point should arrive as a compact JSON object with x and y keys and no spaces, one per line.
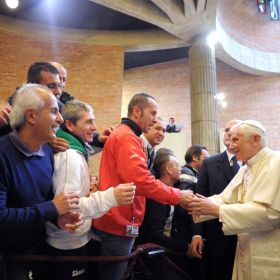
{"x":95,"y":73}
{"x":251,"y":97}
{"x":248,"y":96}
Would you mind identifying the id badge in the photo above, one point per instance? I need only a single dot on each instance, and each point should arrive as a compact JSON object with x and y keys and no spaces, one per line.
{"x":132,"y":231}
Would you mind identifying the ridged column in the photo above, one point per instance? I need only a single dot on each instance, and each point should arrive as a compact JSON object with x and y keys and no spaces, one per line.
{"x":203,"y":104}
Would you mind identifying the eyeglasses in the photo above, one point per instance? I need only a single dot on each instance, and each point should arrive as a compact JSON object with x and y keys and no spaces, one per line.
{"x":54,"y":85}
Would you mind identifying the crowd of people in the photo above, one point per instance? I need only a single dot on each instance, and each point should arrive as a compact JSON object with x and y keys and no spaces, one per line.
{"x":217,"y":213}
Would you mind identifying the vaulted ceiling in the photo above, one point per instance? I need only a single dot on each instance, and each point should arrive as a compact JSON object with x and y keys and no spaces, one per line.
{"x":165,"y":29}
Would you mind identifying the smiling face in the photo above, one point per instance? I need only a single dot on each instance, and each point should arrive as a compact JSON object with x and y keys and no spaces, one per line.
{"x":46,"y":121}
{"x":155,"y":135}
{"x":84,"y":127}
{"x":245,"y":146}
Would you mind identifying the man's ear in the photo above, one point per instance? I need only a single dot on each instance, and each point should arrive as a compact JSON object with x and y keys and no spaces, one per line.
{"x":137,"y":112}
{"x":30,"y":116}
{"x":256,"y":139}
{"x":194,"y":158}
{"x":168,"y":168}
{"x":69,"y":125}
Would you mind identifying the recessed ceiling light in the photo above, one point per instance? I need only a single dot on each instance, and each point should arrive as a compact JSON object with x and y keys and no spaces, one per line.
{"x":224,"y":104}
{"x":213,"y":39}
{"x":220,"y":96}
{"x":12,"y":4}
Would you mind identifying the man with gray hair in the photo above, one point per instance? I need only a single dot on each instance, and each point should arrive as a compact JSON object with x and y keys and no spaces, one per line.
{"x":65,"y":96}
{"x":250,"y":205}
{"x":26,"y":169}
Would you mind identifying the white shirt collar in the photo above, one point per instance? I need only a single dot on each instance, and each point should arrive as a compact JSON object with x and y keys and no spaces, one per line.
{"x":230,"y":155}
{"x":146,"y":143}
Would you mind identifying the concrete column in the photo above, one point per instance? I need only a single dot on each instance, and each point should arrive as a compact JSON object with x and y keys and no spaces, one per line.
{"x":203,"y":88}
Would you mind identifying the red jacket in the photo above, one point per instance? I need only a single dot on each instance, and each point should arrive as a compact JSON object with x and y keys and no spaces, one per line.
{"x":124,"y":161}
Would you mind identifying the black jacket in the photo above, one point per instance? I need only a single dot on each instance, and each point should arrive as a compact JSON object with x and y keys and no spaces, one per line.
{"x":214,"y":175}
{"x":152,"y":229}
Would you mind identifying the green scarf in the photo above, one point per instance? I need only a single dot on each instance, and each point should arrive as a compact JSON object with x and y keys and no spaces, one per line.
{"x":73,"y":142}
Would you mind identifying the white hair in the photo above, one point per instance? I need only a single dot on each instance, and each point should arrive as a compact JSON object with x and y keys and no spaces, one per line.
{"x":28,"y":97}
{"x":250,"y":128}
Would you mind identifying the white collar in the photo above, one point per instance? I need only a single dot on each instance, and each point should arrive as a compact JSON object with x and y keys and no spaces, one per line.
{"x":146,"y":143}
{"x":230,"y":155}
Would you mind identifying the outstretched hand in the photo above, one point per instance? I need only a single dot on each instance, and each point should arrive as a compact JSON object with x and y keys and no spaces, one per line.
{"x":124,"y":193}
{"x":105,"y":134}
{"x":59,"y":144}
{"x":66,"y":202}
{"x":5,"y":111}
{"x":186,"y":198}
{"x":201,"y":205}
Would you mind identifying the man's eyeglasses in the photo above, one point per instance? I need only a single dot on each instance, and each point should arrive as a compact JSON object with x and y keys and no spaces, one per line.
{"x":54,"y":85}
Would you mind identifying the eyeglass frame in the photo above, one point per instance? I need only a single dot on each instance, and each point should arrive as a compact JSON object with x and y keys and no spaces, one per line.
{"x":54,"y":85}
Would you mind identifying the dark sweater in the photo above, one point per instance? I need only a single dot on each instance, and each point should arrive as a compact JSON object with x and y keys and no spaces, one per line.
{"x":25,"y":194}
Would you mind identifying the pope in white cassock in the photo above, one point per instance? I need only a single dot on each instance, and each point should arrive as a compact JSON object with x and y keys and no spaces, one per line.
{"x":250,"y":205}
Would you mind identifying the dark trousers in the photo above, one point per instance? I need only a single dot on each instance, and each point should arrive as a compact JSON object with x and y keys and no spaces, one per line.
{"x":193,"y":267}
{"x":220,"y":268}
{"x":22,"y":270}
{"x":63,"y":270}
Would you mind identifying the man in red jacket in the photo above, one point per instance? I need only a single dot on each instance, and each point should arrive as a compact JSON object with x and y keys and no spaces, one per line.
{"x":124,"y":161}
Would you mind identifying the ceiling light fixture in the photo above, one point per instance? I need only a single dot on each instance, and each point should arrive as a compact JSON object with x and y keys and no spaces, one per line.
{"x":12,"y":4}
{"x":213,"y":39}
{"x":224,"y":104}
{"x":220,"y":97}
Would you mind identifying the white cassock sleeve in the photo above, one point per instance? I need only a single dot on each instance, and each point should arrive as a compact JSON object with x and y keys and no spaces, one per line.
{"x":201,"y":218}
{"x":247,"y":218}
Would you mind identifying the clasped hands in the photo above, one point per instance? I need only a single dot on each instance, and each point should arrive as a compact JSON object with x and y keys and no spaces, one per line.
{"x":197,"y":204}
{"x":67,"y":205}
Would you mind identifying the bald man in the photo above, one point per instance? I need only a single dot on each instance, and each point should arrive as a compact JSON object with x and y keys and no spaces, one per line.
{"x":65,"y":96}
{"x":215,"y":174}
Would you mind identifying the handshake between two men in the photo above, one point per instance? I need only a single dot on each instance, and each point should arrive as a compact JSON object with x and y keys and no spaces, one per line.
{"x":197,"y":204}
{"x":70,"y":216}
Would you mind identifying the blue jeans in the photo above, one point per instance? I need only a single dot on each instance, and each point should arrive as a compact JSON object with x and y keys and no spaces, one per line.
{"x":113,"y":245}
